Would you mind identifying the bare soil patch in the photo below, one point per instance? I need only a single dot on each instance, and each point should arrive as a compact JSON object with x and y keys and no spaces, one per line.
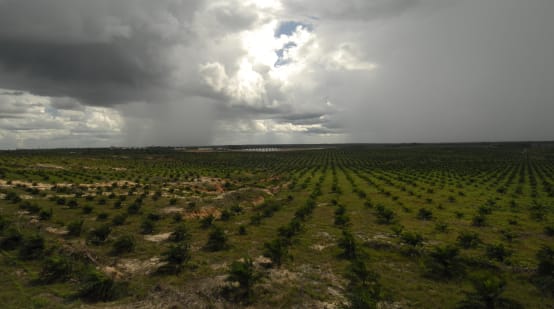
{"x":157,"y":237}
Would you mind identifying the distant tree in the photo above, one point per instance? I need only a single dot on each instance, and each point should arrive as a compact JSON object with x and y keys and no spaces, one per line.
{"x":348,"y":245}
{"x":217,"y":240}
{"x":243,"y":273}
{"x":443,"y":263}
{"x":176,"y":257}
{"x":487,"y":293}
{"x":276,"y":250}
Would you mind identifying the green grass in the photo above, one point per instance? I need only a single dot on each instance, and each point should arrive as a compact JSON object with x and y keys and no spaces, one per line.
{"x":513,"y":189}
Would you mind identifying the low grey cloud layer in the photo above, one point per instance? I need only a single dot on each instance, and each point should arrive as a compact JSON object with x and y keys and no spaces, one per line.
{"x":174,"y":72}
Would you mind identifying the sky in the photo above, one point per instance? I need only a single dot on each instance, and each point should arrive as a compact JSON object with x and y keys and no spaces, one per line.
{"x":81,"y":73}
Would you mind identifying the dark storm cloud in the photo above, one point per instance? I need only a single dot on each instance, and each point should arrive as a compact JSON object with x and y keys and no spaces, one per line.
{"x":349,"y":10}
{"x":73,"y":67}
{"x":168,"y":72}
{"x":101,"y":52}
{"x":66,"y":103}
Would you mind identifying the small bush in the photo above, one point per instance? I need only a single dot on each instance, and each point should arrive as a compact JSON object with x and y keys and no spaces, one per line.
{"x":102,"y":216}
{"x":99,"y":235}
{"x":444,"y":263}
{"x":441,"y":227}
{"x":87,"y":209}
{"x":348,"y":244}
{"x":487,"y":293}
{"x":207,"y":221}
{"x":147,"y":226}
{"x":134,"y":208}
{"x":384,"y":215}
{"x":243,"y":273}
{"x":544,"y":277}
{"x":55,"y":269}
{"x":123,"y":244}
{"x":412,"y":239}
{"x":180,"y":233}
{"x":364,"y":289}
{"x":217,"y":240}
{"x":497,"y":252}
{"x":479,"y":220}
{"x":11,"y":240}
{"x":277,"y":251}
{"x":425,"y":214}
{"x":549,"y":230}
{"x":45,"y":214}
{"x":176,"y":257}
{"x":225,"y":215}
{"x":96,"y":286}
{"x":74,"y":228}
{"x":119,"y":219}
{"x":31,"y":248}
{"x":468,"y":240}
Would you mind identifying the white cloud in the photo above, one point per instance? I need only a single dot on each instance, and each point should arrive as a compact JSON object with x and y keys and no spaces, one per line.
{"x":37,"y":121}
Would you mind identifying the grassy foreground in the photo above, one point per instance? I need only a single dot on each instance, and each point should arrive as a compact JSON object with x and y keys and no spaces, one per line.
{"x":361,"y":226}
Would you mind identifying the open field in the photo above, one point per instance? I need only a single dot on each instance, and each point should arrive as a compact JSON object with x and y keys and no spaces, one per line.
{"x":392,"y":226}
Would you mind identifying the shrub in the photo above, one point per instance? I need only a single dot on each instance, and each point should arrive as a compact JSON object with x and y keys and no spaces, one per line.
{"x":207,"y":221}
{"x":424,"y":214}
{"x":147,"y":226}
{"x":225,"y":215}
{"x":276,"y":250}
{"x":55,"y":269}
{"x":31,"y":248}
{"x":154,"y":217}
{"x":242,"y":230}
{"x":177,"y":217}
{"x":397,"y":229}
{"x":99,"y":235}
{"x":441,"y":227}
{"x":134,"y":208}
{"x":3,"y":224}
{"x":468,"y":240}
{"x":478,"y":220}
{"x":538,"y":211}
{"x":413,"y":239}
{"x":364,"y":289}
{"x":443,"y":262}
{"x":72,"y":204}
{"x":497,"y":252}
{"x":119,"y":219}
{"x":123,"y":244}
{"x":243,"y":273}
{"x":45,"y":214}
{"x":180,"y":233}
{"x":236,"y":209}
{"x":348,"y":244}
{"x":544,"y":277}
{"x":217,"y":240}
{"x":11,"y":240}
{"x":74,"y":228}
{"x":549,"y":230}
{"x":102,"y":216}
{"x":384,"y":215}
{"x":176,"y":257}
{"x":545,"y":257}
{"x":96,"y":286}
{"x":342,"y":220}
{"x":484,"y":210}
{"x":488,"y":289}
